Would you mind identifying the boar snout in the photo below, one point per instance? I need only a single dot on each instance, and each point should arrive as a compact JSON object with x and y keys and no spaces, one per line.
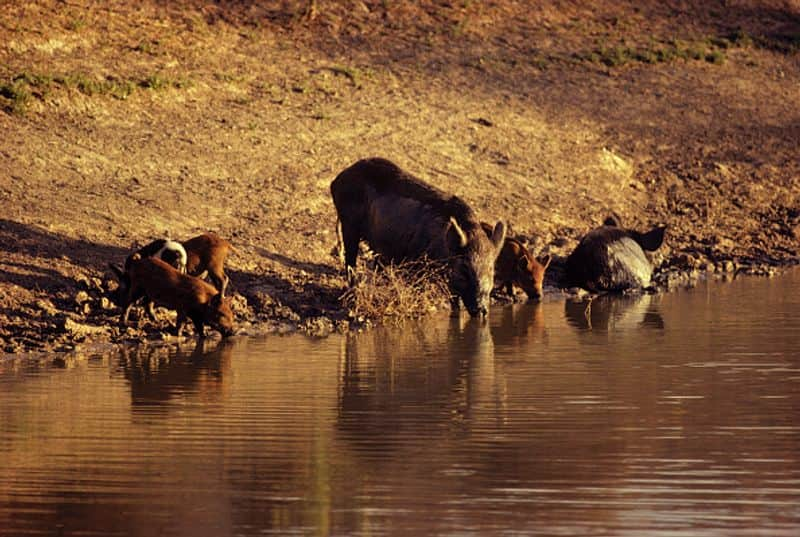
{"x":534,"y":296}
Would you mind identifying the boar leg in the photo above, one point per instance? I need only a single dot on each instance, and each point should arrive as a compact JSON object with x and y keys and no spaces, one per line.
{"x":149,"y":306}
{"x":510,"y":289}
{"x":350,"y":237}
{"x":219,"y":279}
{"x":179,"y":322}
{"x":197,"y":319}
{"x":134,"y":294}
{"x":455,"y":304}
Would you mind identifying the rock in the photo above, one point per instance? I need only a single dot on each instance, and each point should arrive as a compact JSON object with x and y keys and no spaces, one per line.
{"x":46,"y":306}
{"x":81,"y":331}
{"x":725,"y":244}
{"x":239,"y":305}
{"x":318,"y":326}
{"x":106,"y":304}
{"x":81,"y":297}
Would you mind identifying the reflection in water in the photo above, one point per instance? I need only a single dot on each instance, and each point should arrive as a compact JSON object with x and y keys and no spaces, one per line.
{"x":612,"y":312}
{"x":519,"y":325}
{"x":671,"y":415}
{"x":421,"y":366}
{"x":158,"y":374}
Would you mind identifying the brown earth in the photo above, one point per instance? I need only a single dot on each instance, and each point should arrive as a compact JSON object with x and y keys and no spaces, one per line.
{"x":126,"y":121}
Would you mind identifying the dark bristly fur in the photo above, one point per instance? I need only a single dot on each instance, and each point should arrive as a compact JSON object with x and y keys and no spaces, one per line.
{"x":611,"y":258}
{"x":403,"y":218}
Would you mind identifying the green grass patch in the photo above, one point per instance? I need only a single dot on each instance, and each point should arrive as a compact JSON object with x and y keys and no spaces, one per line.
{"x":75,"y":24}
{"x":17,"y":93}
{"x":354,"y":74}
{"x":712,"y":50}
{"x":14,"y":97}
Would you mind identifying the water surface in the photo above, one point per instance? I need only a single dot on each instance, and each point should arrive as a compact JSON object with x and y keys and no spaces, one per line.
{"x":671,"y":415}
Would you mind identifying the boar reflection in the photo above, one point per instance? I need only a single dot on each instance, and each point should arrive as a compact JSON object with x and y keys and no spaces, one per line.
{"x":519,"y":324}
{"x":397,"y":383}
{"x":158,"y":374}
{"x":614,"y":313}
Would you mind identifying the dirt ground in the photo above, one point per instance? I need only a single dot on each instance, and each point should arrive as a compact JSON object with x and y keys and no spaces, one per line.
{"x":127,"y":121}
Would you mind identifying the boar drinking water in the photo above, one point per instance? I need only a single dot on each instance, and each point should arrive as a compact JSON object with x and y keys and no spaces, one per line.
{"x":402,"y":218}
{"x":191,"y":297}
{"x":611,"y":258}
{"x":516,"y":266}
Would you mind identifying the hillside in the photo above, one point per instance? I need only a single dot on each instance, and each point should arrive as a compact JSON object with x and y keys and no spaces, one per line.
{"x":123,"y":122}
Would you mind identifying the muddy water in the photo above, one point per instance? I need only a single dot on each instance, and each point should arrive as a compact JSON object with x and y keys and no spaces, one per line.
{"x":662,"y":415}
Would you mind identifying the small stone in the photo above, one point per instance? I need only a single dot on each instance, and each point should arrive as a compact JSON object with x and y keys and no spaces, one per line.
{"x":46,"y":306}
{"x":79,"y":330}
{"x":81,"y":297}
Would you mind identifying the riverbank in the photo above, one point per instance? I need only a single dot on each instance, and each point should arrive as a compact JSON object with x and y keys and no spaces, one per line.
{"x":126,"y":123}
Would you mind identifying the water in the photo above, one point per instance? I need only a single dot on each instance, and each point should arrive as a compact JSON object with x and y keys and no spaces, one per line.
{"x":670,"y":415}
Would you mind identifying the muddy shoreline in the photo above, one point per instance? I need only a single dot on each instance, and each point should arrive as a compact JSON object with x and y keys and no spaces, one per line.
{"x":92,"y":324}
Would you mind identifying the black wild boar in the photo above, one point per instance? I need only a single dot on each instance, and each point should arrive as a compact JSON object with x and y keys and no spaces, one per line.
{"x":191,"y":297}
{"x":611,"y":258}
{"x":516,"y":266}
{"x":401,"y":218}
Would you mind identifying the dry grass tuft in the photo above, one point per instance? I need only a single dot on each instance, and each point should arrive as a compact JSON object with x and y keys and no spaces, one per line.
{"x":398,"y":291}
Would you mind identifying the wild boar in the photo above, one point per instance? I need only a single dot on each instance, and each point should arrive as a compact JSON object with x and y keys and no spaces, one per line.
{"x":169,"y":251}
{"x":207,"y":253}
{"x":516,"y":266}
{"x":190,"y":296}
{"x":612,"y":258}
{"x":401,"y":218}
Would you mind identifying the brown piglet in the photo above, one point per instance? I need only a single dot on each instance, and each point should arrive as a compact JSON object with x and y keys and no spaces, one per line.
{"x":191,"y":297}
{"x":208,"y":252}
{"x":516,"y":266}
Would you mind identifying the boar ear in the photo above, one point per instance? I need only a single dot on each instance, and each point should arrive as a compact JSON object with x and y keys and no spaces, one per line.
{"x":455,"y":235}
{"x":116,"y":270}
{"x":611,"y":220}
{"x":651,"y":240}
{"x":499,"y":235}
{"x":545,"y":261}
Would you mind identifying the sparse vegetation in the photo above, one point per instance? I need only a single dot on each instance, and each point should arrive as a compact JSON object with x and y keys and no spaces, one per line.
{"x":14,"y":97}
{"x":397,"y":291}
{"x":355,"y":74}
{"x":17,"y":93}
{"x":711,"y":49}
